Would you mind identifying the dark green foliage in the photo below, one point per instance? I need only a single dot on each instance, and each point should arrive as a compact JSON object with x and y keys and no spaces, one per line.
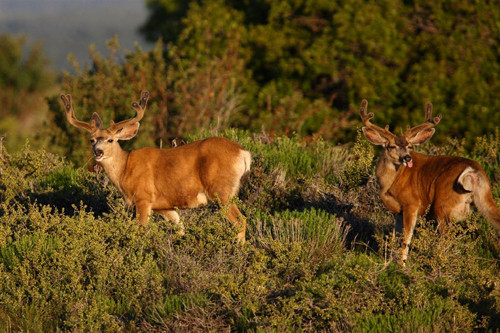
{"x":47,"y":179}
{"x":308,"y":64}
{"x":294,"y":68}
{"x":164,"y":19}
{"x":317,"y":256}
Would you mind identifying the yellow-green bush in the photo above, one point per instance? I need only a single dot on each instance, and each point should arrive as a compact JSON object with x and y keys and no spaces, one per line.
{"x":316,"y":258}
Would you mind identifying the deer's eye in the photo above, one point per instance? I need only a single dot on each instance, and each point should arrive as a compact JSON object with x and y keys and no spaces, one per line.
{"x":110,"y":140}
{"x":92,"y":141}
{"x":391,"y":147}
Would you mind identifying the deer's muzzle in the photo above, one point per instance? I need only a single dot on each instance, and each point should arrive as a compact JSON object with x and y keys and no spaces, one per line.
{"x":99,"y":154}
{"x":407,"y":161}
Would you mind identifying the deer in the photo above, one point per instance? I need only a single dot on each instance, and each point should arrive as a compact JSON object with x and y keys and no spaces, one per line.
{"x":413,"y":184}
{"x":167,"y":180}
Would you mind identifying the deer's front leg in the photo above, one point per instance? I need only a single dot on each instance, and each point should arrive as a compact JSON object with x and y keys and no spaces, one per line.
{"x":389,"y":202}
{"x":143,"y":209}
{"x":410,"y":214}
{"x":172,"y":215}
{"x":398,"y":226}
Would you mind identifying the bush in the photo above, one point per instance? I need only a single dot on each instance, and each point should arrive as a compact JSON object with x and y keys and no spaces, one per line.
{"x":317,"y":256}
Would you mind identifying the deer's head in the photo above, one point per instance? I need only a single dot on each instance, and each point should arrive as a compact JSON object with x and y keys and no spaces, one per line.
{"x":397,"y":148}
{"x":105,"y":140}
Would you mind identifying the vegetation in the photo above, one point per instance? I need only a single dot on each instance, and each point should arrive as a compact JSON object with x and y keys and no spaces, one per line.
{"x":283,"y":78}
{"x":317,"y":257}
{"x":24,"y":82}
{"x":296,"y":67}
{"x":308,"y":64}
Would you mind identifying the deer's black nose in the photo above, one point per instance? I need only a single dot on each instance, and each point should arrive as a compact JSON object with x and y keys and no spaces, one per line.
{"x":98,"y":152}
{"x":407,"y":158}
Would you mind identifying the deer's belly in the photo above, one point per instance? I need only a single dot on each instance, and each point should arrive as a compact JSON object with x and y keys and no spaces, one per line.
{"x":181,"y":201}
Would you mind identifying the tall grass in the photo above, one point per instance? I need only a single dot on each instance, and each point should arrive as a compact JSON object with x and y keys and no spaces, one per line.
{"x":315,"y":230}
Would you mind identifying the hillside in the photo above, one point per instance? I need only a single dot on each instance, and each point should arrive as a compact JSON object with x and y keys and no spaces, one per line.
{"x":70,"y":26}
{"x":317,"y":257}
{"x":284,"y":79}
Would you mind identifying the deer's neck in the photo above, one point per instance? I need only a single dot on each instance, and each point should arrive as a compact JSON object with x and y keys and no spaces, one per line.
{"x":115,"y":166}
{"x":386,"y":172}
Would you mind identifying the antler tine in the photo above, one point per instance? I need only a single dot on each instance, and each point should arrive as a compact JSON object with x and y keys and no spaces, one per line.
{"x":70,"y":115}
{"x":365,"y":117}
{"x":429,"y":122}
{"x":144,"y":99}
{"x":428,"y":115}
{"x":428,"y":111}
{"x":139,"y":107}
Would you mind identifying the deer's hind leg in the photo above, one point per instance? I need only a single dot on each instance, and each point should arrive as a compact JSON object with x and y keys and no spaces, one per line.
{"x":223,"y":187}
{"x":224,"y":194}
{"x":234,"y":215}
{"x":239,"y":220}
{"x":452,"y":207}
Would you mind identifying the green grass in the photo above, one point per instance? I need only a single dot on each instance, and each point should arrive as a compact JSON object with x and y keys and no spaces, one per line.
{"x":317,"y":257}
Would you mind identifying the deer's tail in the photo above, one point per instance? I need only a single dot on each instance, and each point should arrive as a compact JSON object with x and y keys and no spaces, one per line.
{"x":477,"y":182}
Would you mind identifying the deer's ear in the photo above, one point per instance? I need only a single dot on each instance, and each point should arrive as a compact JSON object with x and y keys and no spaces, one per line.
{"x":373,"y":136}
{"x":97,"y":120}
{"x":422,"y":136}
{"x":128,"y":132}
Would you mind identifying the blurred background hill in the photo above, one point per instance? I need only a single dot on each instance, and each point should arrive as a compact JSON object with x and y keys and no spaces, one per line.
{"x":70,"y":26}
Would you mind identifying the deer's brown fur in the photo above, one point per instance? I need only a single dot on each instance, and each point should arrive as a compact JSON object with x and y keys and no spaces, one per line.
{"x":164,"y":180}
{"x":412,"y":184}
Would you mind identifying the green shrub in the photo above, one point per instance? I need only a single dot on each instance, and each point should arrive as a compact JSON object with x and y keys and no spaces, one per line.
{"x":317,"y":256}
{"x":439,"y":316}
{"x":318,"y":233}
{"x":39,"y":176}
{"x":359,"y":166}
{"x":25,"y":80}
{"x":69,"y":272}
{"x":306,"y":66}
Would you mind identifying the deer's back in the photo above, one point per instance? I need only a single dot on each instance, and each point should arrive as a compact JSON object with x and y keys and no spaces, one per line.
{"x":175,"y":175}
{"x":431,"y":178}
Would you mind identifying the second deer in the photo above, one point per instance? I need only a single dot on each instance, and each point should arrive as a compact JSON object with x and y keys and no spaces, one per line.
{"x":164,"y":180}
{"x":412,"y":184}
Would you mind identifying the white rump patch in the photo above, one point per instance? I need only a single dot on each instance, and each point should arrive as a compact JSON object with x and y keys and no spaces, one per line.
{"x":243,"y":163}
{"x":468,"y":179}
{"x":241,"y":167}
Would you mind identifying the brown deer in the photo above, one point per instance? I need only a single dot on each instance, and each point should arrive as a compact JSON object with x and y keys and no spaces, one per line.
{"x":413,"y":184}
{"x":164,"y":180}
